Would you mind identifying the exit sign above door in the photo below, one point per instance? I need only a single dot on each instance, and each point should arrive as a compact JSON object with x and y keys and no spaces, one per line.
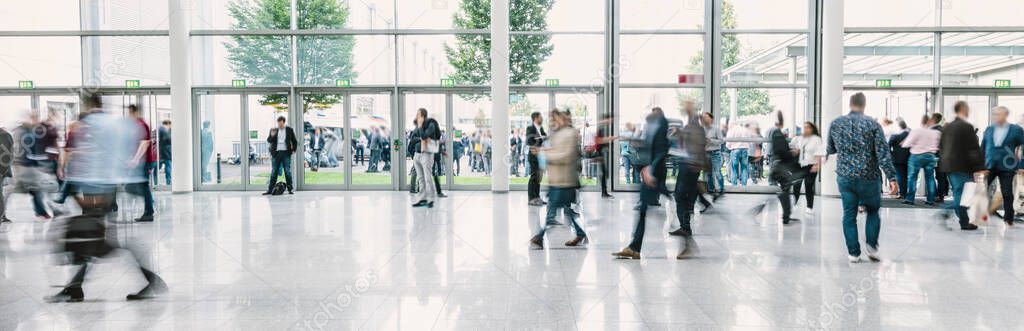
{"x":883,"y":83}
{"x":1003,"y":83}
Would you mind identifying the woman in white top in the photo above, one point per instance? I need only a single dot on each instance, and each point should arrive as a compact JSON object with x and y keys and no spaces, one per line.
{"x":811,"y":150}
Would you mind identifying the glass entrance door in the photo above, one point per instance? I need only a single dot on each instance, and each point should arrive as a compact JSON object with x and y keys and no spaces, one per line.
{"x":233,"y":130}
{"x":347,"y":140}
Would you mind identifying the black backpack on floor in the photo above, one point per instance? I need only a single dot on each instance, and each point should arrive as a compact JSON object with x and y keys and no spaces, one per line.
{"x":279,"y":189}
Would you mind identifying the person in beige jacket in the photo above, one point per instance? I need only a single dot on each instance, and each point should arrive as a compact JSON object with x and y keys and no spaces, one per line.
{"x":562,"y":159}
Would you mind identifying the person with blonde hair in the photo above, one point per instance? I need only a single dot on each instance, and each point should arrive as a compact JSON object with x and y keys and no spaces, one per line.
{"x":562,"y":159}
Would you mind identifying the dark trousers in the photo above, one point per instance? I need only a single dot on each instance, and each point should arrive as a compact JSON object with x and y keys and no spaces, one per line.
{"x":143,"y":190}
{"x":784,"y":191}
{"x":809,"y":183}
{"x":533,"y":187}
{"x":280,"y":162}
{"x":686,"y":194}
{"x":603,"y":166}
{"x":901,"y":178}
{"x":374,"y":158}
{"x":74,"y":286}
{"x":1006,"y":187}
{"x":647,"y":194}
{"x":942,"y":184}
{"x":957,"y":181}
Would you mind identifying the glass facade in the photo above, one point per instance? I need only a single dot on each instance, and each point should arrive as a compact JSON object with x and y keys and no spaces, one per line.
{"x":613,"y":57}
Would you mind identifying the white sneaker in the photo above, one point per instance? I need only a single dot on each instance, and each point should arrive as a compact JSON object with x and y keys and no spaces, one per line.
{"x":872,"y":253}
{"x":854,"y":259}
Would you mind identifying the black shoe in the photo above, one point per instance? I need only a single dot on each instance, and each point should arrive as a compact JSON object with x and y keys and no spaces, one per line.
{"x":442,"y":195}
{"x":909,"y":203}
{"x":113,"y":208}
{"x":606,"y":195}
{"x":685,"y":232}
{"x":144,"y":219}
{"x":789,"y":219}
{"x":716,"y":196}
{"x":656,"y":204}
{"x":6,"y":220}
{"x":290,"y":192}
{"x":267,"y":193}
{"x":430,"y":204}
{"x":928,"y":203}
{"x":67,"y":295}
{"x":421,"y":203}
{"x":968,"y":227}
{"x":147,"y":293}
{"x":704,"y":208}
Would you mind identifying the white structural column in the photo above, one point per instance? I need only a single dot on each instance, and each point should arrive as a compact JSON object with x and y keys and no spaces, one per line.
{"x":181,"y":96}
{"x":831,"y":82}
{"x":499,"y":94}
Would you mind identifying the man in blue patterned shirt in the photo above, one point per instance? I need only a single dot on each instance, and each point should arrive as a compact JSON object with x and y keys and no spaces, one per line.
{"x":861,"y":150}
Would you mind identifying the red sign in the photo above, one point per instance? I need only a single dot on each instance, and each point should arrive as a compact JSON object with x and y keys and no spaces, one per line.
{"x":691,"y":79}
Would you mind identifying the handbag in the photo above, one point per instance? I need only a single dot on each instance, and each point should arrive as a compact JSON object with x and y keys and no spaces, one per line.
{"x":432,"y":146}
{"x":975,"y":198}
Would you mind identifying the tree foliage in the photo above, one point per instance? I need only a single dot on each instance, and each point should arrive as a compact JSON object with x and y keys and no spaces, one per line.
{"x":266,"y":60}
{"x":749,"y":101}
{"x":470,"y":55}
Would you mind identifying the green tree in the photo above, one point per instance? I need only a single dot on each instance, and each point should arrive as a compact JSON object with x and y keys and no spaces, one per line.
{"x":266,"y":60}
{"x":749,"y":101}
{"x":471,"y":54}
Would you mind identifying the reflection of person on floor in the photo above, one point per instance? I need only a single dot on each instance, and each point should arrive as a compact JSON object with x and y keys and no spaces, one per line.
{"x":206,"y":147}
{"x":281,"y":148}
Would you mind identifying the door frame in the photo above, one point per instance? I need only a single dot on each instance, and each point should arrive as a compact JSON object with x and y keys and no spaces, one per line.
{"x":346,"y":93}
{"x":242,"y":94}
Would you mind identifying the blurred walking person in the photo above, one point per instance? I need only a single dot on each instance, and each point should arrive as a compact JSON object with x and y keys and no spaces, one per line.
{"x":692,"y":141}
{"x":785,"y":167}
{"x":811,"y":151}
{"x":6,"y":159}
{"x":923,"y":143}
{"x":34,"y":167}
{"x":164,"y":139}
{"x":900,"y":157}
{"x":961,"y":158}
{"x":142,"y":164}
{"x":860,"y":145}
{"x":999,"y":145}
{"x":651,"y":153}
{"x":713,"y":147}
{"x":739,"y":153}
{"x":562,"y":159}
{"x":941,"y":176}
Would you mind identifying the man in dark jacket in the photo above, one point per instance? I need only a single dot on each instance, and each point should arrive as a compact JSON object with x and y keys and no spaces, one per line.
{"x":164,"y":144}
{"x":6,"y":159}
{"x":900,"y":156}
{"x":960,"y":157}
{"x":1000,"y":143}
{"x":786,"y":169}
{"x":281,"y":148}
{"x":535,"y":136}
{"x":651,"y":154}
{"x":692,"y":141}
{"x":941,"y":178}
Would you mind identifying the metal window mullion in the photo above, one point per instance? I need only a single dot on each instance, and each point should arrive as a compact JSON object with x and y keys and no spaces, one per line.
{"x":710,"y":52}
{"x":715,"y":79}
{"x":449,"y":113}
{"x":346,"y":139}
{"x":244,"y":139}
{"x":811,"y":108}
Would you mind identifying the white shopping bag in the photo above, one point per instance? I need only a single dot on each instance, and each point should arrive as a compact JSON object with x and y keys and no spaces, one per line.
{"x":977,"y":208}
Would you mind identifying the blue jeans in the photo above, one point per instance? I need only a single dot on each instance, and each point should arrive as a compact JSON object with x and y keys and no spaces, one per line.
{"x":918,"y":162}
{"x":561,"y":198}
{"x":166,"y":164}
{"x":901,"y":178}
{"x":143,"y":190}
{"x":280,"y":162}
{"x":860,"y":192}
{"x":647,"y":195}
{"x":739,"y":162}
{"x":957,"y":181}
{"x":716,"y":183}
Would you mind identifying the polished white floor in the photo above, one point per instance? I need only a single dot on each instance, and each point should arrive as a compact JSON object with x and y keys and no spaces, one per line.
{"x":365,"y":260}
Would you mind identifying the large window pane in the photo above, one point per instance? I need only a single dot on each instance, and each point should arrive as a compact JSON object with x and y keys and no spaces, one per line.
{"x":362,"y":59}
{"x":323,"y":130}
{"x":260,"y":60}
{"x":520,"y":107}
{"x":220,"y":131}
{"x":760,"y":14}
{"x":765,"y":59}
{"x":904,"y":58}
{"x":112,"y":60}
{"x":564,"y":15}
{"x":47,"y":61}
{"x":661,"y":14}
{"x":978,"y":59}
{"x":471,"y":120}
{"x":903,"y":13}
{"x":438,"y":14}
{"x":335,"y":14}
{"x":422,"y":60}
{"x":574,"y":59}
{"x":263,"y":111}
{"x":241,"y":14}
{"x":660,"y":58}
{"x":124,"y":15}
{"x":754,"y":110}
{"x":371,"y":122}
{"x":634,"y":106}
{"x":40,"y":15}
{"x":982,"y":12}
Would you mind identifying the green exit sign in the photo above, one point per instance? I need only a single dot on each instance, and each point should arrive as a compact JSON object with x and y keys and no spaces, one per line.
{"x":551,"y":83}
{"x":253,"y":134}
{"x":343,"y":83}
{"x":132,"y":84}
{"x":1003,"y":83}
{"x":26,"y":84}
{"x":447,"y":82}
{"x":883,"y":83}
{"x":237,"y":83}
